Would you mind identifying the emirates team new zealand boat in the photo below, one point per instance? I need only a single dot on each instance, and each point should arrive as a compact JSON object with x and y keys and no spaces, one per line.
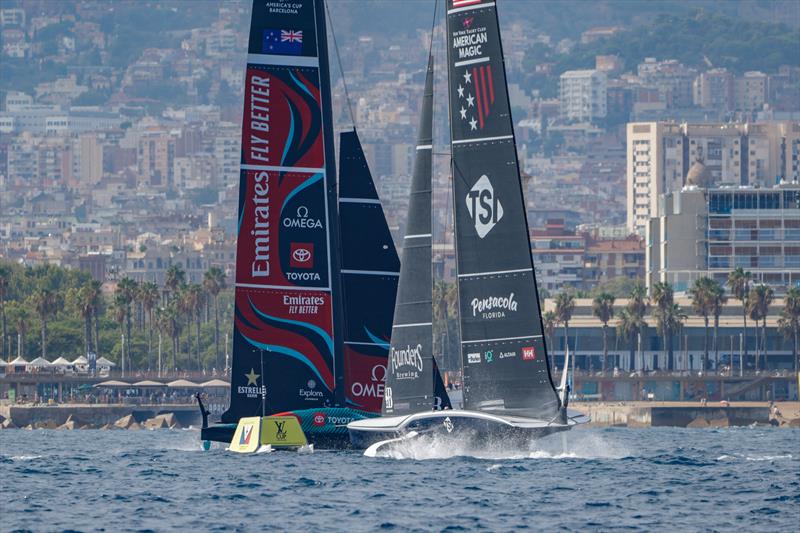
{"x":509,"y":395}
{"x":316,"y":271}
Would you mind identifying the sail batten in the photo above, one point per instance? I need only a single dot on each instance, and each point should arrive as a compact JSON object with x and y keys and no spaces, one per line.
{"x":503,"y":351}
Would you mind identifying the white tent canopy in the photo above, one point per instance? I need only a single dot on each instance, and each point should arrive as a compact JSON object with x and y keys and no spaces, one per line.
{"x":215,"y":383}
{"x":183,"y":384}
{"x":102,"y":361}
{"x":61,"y":362}
{"x":40,"y":362}
{"x":18,"y":361}
{"x":113,"y":383}
{"x":80,"y":361}
{"x":3,"y":363}
{"x":148,"y":383}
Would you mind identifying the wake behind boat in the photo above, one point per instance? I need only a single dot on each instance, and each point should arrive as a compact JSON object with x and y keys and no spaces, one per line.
{"x":508,"y":388}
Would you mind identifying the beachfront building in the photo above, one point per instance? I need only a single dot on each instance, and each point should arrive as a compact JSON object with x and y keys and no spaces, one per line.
{"x":730,"y":377}
{"x":709,"y":232}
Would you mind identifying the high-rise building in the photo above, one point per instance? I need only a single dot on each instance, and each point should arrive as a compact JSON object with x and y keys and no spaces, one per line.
{"x":709,"y":232}
{"x":582,"y":95}
{"x":660,"y":154}
{"x":227,"y":153}
{"x":751,"y":91}
{"x":714,"y":89}
{"x":156,"y":159}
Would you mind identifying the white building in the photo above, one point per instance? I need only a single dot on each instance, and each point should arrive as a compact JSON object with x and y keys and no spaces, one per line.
{"x":583,"y":95}
{"x":709,"y":232}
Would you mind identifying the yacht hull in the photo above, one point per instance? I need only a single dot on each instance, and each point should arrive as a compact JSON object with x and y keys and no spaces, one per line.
{"x":471,"y":428}
{"x":325,"y":428}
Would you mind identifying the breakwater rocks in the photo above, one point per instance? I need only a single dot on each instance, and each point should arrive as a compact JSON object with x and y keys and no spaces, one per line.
{"x":691,"y":415}
{"x":112,"y":417}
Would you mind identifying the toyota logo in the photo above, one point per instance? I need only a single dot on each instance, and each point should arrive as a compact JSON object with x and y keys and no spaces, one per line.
{"x":301,"y":255}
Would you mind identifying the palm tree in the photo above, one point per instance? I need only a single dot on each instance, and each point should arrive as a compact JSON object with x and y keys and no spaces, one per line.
{"x":195,"y":302}
{"x":565,"y":306}
{"x":167,"y":320}
{"x":148,"y":296}
{"x":47,"y":303}
{"x":663,"y":297}
{"x":125,"y":295}
{"x":702,"y":293}
{"x":549,"y":322}
{"x":669,"y":321}
{"x":718,"y":299}
{"x":5,"y":275}
{"x":20,"y":318}
{"x":754,"y":312}
{"x":739,"y":284}
{"x":174,"y":279}
{"x":760,"y":298}
{"x":214,"y":283}
{"x":84,"y":301}
{"x":629,"y":326}
{"x":603,"y":309}
{"x":789,"y":322}
{"x":637,"y":308}
{"x":120,"y":314}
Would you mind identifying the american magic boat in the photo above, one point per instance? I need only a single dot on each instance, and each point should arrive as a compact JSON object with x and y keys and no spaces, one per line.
{"x":509,"y":395}
{"x":316,"y":268}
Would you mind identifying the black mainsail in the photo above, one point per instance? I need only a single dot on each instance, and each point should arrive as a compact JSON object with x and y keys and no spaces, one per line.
{"x":369,"y":272}
{"x":503,"y":351}
{"x":413,"y":382}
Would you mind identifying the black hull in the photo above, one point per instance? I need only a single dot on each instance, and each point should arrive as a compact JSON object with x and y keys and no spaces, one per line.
{"x":468,"y":428}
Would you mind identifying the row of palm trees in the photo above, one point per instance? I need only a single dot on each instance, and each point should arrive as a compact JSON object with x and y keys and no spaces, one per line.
{"x":708,"y":297}
{"x":171,"y":310}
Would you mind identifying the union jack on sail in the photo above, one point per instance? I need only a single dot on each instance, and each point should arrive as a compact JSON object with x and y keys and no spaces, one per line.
{"x":292,"y":36}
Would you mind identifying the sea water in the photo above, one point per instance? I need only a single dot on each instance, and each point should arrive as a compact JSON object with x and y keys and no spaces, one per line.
{"x":745,"y":479}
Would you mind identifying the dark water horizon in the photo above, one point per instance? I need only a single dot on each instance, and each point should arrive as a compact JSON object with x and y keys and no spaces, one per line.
{"x":597,"y":479}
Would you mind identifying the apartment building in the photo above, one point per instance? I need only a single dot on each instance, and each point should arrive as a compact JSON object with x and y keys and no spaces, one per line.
{"x":583,"y":95}
{"x":660,"y":154}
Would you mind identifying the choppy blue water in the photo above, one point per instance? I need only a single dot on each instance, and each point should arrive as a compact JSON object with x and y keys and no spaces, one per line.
{"x":645,"y":479}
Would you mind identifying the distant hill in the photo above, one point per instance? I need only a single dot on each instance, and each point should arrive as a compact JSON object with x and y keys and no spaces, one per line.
{"x":737,"y":44}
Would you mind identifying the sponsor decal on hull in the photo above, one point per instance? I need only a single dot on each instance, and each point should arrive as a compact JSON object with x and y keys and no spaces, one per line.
{"x":528,"y":353}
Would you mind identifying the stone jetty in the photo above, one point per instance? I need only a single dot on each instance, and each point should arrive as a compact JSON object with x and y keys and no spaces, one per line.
{"x":76,"y":417}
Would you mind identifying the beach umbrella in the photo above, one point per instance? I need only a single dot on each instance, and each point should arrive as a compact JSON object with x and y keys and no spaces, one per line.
{"x":111,"y":383}
{"x":215,"y":383}
{"x":183,"y":384}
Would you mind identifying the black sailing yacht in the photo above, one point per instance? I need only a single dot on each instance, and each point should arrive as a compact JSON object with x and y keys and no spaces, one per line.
{"x":316,"y":268}
{"x":508,"y":389}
